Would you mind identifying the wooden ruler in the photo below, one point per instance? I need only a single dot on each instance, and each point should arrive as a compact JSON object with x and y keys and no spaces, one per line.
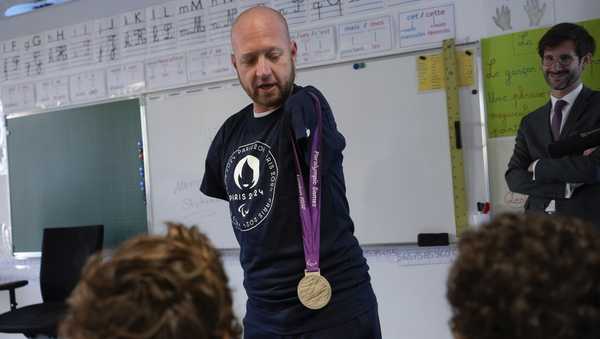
{"x":456,"y":154}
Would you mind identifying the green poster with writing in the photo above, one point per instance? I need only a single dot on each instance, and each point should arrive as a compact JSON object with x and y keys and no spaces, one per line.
{"x":513,"y":81}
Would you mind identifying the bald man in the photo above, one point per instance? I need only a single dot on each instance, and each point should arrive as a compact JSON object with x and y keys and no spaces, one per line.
{"x":304,"y":273}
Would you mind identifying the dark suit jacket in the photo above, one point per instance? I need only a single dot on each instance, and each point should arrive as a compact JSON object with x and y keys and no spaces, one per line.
{"x":551,"y":175}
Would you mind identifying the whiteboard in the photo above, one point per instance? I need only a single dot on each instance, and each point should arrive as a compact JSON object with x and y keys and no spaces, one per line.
{"x":502,"y":199}
{"x":396,"y":163}
{"x":179,"y":129}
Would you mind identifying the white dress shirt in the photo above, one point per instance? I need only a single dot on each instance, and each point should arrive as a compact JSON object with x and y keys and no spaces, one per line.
{"x":570,"y":99}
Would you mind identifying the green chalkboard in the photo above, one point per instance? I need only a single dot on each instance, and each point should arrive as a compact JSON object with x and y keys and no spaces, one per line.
{"x":76,"y":167}
{"x":513,"y":80}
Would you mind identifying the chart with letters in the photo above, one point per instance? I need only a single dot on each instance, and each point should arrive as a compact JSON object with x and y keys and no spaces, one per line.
{"x":186,"y":42}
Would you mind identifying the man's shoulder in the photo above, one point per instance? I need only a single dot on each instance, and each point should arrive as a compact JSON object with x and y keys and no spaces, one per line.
{"x":306,"y":92}
{"x":231,"y":124}
{"x":539,"y":113}
{"x":590,"y":91}
{"x":242,"y":113}
{"x":308,"y":89}
{"x":238,"y":116}
{"x":592,"y":96}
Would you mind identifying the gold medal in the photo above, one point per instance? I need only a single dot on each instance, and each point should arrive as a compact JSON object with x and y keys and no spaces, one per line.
{"x":314,"y":290}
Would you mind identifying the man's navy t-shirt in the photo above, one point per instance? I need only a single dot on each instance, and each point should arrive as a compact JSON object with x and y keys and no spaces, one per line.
{"x":250,"y":164}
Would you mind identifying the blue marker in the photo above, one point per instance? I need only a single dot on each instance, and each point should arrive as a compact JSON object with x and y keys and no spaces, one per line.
{"x":358,"y":65}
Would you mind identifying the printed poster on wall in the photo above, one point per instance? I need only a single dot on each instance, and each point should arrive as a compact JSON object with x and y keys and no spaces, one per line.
{"x":426,"y":26}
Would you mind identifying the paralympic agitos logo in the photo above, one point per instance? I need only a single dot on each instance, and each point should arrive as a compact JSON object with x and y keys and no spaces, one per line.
{"x":250,"y":179}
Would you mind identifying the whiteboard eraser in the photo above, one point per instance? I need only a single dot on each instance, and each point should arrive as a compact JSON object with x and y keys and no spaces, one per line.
{"x":433,"y":239}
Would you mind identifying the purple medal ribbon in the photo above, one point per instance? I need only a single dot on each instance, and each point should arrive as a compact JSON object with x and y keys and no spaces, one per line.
{"x":310,"y":214}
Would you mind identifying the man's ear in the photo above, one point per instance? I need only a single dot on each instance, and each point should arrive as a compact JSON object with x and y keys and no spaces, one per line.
{"x":587,"y":59}
{"x":233,"y":61}
{"x":293,"y":49}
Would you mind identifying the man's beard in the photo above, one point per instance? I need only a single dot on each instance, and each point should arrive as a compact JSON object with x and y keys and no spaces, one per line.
{"x":278,"y":98}
{"x":568,"y":79}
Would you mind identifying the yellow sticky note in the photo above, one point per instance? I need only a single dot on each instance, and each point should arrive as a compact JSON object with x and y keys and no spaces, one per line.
{"x":430,"y":70}
{"x":464,"y":60}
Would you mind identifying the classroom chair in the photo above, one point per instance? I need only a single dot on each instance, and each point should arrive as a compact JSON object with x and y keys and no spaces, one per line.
{"x":64,"y":252}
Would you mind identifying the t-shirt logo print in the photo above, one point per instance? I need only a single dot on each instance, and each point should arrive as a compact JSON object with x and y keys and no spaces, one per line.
{"x":246,"y":172}
{"x":250,"y":178}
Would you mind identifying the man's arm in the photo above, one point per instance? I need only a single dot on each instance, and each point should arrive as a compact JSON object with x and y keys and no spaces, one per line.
{"x":212,"y":182}
{"x":520,"y":180}
{"x":304,"y":117}
{"x":576,"y":168}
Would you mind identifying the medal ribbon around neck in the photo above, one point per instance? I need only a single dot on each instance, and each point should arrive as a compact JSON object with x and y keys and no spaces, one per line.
{"x":314,"y":291}
{"x":310,"y":213}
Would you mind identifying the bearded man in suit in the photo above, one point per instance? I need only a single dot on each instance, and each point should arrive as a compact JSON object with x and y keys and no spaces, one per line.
{"x":569,"y":185}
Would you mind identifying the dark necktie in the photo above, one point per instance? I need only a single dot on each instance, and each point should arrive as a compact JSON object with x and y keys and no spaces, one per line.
{"x":557,"y":118}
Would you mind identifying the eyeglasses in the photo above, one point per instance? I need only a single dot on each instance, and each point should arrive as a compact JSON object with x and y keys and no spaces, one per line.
{"x":563,"y":59}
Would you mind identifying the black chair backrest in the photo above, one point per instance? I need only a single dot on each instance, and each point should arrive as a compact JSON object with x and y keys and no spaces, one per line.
{"x":64,"y":252}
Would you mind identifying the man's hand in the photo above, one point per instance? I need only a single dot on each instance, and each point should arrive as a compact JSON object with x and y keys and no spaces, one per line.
{"x":532,"y":166}
{"x":589,"y":151}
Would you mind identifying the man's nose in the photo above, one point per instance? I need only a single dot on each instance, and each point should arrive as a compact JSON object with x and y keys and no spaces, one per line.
{"x":557,"y":66}
{"x":263,"y":67}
